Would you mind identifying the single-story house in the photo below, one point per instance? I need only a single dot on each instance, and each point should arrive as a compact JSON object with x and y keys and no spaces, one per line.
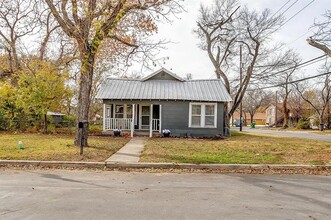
{"x":259,"y":118}
{"x":164,"y":100}
{"x":270,"y":115}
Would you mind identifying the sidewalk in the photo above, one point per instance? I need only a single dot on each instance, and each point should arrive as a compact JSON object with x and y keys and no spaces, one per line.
{"x":129,"y":153}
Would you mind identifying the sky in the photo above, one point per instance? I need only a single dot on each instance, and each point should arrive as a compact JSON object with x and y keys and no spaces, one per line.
{"x":186,"y":57}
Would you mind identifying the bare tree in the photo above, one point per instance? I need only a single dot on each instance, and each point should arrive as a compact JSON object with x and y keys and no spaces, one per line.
{"x":284,"y":78}
{"x":322,"y":37}
{"x":297,"y":105}
{"x":254,"y":99}
{"x":49,"y":26}
{"x":96,"y":25}
{"x":216,"y":29}
{"x":17,"y":20}
{"x":319,"y":96}
{"x":222,"y":28}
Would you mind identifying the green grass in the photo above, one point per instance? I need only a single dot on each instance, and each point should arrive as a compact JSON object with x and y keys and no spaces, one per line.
{"x":240,"y":148}
{"x":57,"y":147}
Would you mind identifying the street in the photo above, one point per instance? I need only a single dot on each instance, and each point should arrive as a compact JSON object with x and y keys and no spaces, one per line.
{"x":286,"y":133}
{"x":61,"y":194}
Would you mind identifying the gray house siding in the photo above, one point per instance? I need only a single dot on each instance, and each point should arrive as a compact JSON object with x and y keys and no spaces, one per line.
{"x":162,"y":77}
{"x":175,"y":117}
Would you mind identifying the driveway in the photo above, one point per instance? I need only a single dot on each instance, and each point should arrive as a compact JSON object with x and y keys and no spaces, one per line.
{"x":59,"y":194}
{"x":297,"y":134}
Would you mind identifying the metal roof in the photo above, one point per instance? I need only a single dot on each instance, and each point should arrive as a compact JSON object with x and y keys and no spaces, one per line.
{"x":55,"y":113}
{"x":192,"y":90}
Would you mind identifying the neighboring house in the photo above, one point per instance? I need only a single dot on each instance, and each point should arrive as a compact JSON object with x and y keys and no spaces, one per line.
{"x":270,"y":115}
{"x":57,"y":117}
{"x":312,"y":121}
{"x":259,"y":118}
{"x":164,"y":100}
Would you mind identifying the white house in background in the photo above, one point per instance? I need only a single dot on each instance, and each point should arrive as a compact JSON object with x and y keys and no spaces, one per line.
{"x":270,"y":115}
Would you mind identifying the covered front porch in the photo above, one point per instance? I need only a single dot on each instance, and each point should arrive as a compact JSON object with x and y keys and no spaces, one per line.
{"x":132,"y":117}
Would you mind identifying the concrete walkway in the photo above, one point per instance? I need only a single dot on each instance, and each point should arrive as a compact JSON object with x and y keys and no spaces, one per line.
{"x":129,"y":153}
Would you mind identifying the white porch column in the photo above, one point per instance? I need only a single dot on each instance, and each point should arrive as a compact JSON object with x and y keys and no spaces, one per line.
{"x":133,"y":119}
{"x":160,"y":123}
{"x":104,"y":117}
{"x":151,"y":121}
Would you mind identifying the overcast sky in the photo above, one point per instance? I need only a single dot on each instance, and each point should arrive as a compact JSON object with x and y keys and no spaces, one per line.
{"x":186,"y":57}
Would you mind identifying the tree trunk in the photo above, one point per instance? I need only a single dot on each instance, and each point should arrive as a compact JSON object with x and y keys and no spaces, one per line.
{"x":285,"y":113}
{"x":15,"y":56}
{"x":321,"y":125}
{"x":227,"y":116}
{"x":244,"y":121}
{"x":45,"y":123}
{"x":328,"y":118}
{"x":84,"y":98}
{"x":232,"y":122}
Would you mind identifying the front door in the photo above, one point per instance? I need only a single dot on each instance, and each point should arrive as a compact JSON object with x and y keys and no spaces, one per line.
{"x":145,"y":114}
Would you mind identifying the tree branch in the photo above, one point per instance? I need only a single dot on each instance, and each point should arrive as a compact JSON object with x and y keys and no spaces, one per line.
{"x":320,"y":46}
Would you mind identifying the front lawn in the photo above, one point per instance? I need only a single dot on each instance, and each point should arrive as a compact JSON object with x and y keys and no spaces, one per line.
{"x":240,"y":148}
{"x":57,"y":147}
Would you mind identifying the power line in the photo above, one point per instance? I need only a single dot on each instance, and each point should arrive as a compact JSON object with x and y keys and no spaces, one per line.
{"x":303,"y":64}
{"x":299,"y":12}
{"x":300,"y":37}
{"x":298,"y":66}
{"x":295,"y":81}
{"x":281,"y":47}
{"x":289,"y":8}
{"x":313,"y":62}
{"x":293,"y":16}
{"x":281,"y":8}
{"x":296,"y":38}
{"x":271,"y":65}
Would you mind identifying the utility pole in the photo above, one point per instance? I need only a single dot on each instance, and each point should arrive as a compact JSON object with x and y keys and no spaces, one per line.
{"x":276,"y":110}
{"x":241,"y":79}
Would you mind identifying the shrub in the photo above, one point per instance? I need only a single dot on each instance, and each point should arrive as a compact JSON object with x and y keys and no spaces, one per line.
{"x":95,"y":129}
{"x":303,"y":124}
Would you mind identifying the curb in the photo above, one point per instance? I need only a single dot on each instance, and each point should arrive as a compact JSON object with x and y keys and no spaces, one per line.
{"x":171,"y":166}
{"x":228,"y":167}
{"x":69,"y":164}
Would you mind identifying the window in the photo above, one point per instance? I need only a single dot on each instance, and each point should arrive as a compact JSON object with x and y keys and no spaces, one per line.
{"x":203,"y":115}
{"x":108,"y":113}
{"x":210,"y":115}
{"x":196,"y":115}
{"x":119,"y":111}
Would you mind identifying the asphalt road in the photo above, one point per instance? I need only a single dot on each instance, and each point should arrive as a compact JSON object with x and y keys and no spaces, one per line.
{"x":58,"y":194}
{"x":297,"y":134}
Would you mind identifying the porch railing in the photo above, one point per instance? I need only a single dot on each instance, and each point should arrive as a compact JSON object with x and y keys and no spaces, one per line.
{"x":156,"y":124}
{"x":118,"y":123}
